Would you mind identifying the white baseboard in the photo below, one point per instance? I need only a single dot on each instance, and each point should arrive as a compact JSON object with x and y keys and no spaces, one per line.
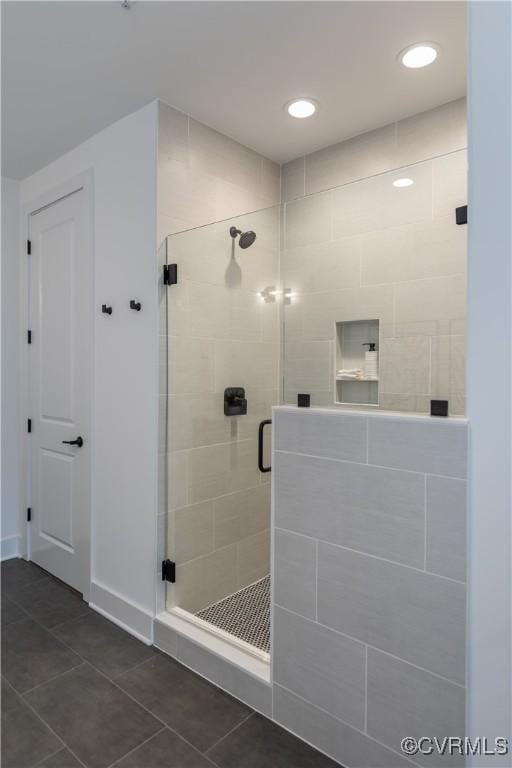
{"x":9,"y":548}
{"x":130,"y":617}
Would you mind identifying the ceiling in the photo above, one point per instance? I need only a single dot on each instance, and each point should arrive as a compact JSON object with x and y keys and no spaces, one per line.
{"x":71,"y":68}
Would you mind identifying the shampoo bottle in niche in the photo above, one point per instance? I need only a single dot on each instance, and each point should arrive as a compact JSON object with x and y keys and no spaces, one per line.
{"x":371,"y":361}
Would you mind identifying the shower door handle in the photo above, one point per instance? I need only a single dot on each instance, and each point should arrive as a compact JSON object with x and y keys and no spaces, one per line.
{"x":262,"y":426}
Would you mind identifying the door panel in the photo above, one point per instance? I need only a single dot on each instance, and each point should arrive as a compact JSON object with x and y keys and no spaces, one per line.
{"x":61,"y":307}
{"x":56,"y":498}
{"x":56,"y":314}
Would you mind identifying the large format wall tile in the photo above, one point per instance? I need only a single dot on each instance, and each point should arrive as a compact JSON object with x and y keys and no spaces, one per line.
{"x":448,"y":367}
{"x":431,"y":306}
{"x":308,"y":221}
{"x":321,"y":666}
{"x":348,"y":746}
{"x":190,"y":533}
{"x":428,"y":248}
{"x":405,"y":365}
{"x":365,"y":155}
{"x":438,"y":448}
{"x":370,"y":509}
{"x":414,"y":615}
{"x":206,"y":579}
{"x":406,"y":701}
{"x":446,"y":527}
{"x":253,"y":558}
{"x":240,"y":515}
{"x":322,"y":266}
{"x":432,"y":133}
{"x":320,"y":311}
{"x":294,"y":572}
{"x":450,"y":181}
{"x":292,"y":179}
{"x":342,"y":436}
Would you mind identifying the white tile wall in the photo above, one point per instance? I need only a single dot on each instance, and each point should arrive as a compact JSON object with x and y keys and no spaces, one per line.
{"x":369,"y":617}
{"x":360,"y":233}
{"x":220,"y":333}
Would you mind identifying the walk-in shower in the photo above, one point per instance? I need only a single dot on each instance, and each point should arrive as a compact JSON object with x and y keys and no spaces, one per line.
{"x":355,"y":296}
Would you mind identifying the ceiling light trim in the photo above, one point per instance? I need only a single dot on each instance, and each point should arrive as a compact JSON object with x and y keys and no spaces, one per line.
{"x":302,"y":102}
{"x":428,"y":59}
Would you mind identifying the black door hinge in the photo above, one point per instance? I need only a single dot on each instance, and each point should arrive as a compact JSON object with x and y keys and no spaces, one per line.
{"x":29,"y":514}
{"x":168,"y":571}
{"x":29,"y":247}
{"x":29,"y":337}
{"x":170,"y":274}
{"x":29,"y":425}
{"x":461,"y":214}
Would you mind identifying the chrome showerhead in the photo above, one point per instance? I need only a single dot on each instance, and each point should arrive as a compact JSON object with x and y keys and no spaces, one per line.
{"x":246,"y":238}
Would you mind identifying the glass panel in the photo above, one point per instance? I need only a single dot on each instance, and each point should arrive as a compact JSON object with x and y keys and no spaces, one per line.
{"x":223,"y":333}
{"x":374,"y":258}
{"x":361,"y":290}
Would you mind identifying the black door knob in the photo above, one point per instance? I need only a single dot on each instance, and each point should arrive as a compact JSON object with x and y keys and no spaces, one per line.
{"x":79,"y":442}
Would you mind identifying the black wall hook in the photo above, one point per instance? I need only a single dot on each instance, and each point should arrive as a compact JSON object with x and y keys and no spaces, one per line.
{"x":136,"y":305}
{"x":107,"y":310}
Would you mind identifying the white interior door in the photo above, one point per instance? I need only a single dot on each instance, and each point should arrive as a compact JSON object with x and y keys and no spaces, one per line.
{"x":60,"y":365}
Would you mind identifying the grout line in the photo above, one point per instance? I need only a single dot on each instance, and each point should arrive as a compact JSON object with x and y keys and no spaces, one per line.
{"x":343,"y":722}
{"x":42,"y":720}
{"x":136,"y":748}
{"x":229,"y":733}
{"x":365,"y":689}
{"x":425,"y":524}
{"x":368,"y":554}
{"x":48,"y":757}
{"x":139,"y":663}
{"x":115,"y":684}
{"x":55,"y":677}
{"x":372,"y":647}
{"x":316,"y":579}
{"x":68,"y":621}
{"x":119,"y":688}
{"x":362,"y":464}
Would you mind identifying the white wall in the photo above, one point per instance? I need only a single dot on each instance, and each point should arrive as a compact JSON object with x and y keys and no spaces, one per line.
{"x":125,"y":408}
{"x":489,"y":398}
{"x":10,"y":484}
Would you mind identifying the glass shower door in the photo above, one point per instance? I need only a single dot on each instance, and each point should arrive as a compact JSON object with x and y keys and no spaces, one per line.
{"x":223,"y":321}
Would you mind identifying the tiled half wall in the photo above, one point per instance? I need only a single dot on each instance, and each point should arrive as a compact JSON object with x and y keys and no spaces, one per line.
{"x":369,"y":582}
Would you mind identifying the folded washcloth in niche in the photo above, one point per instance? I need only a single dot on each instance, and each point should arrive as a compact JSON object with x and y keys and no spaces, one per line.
{"x":355,"y":372}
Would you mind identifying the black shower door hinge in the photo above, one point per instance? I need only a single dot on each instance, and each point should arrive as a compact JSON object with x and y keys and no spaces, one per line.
{"x":29,"y":337}
{"x":461,"y":214}
{"x":29,"y":247}
{"x":168,"y":571}
{"x":29,"y":514}
{"x":170,"y":274}
{"x":29,"y":425}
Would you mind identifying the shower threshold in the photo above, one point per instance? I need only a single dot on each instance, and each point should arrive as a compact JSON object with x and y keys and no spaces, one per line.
{"x":244,"y":614}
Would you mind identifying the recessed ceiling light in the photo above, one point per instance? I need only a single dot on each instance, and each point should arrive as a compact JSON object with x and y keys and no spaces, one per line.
{"x":301,"y":108}
{"x":400,"y":183}
{"x":419,"y":55}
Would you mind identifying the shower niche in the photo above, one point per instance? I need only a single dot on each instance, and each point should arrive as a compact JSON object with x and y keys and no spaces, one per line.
{"x":357,"y":363}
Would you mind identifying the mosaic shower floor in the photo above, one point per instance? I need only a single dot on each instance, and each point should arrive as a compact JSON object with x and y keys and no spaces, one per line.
{"x":244,"y":614}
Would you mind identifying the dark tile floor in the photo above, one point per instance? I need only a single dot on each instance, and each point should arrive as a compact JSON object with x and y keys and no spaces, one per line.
{"x":79,"y":691}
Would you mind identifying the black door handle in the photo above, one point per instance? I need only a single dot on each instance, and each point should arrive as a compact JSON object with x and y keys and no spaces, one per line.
{"x":261,"y":467}
{"x":79,"y":442}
